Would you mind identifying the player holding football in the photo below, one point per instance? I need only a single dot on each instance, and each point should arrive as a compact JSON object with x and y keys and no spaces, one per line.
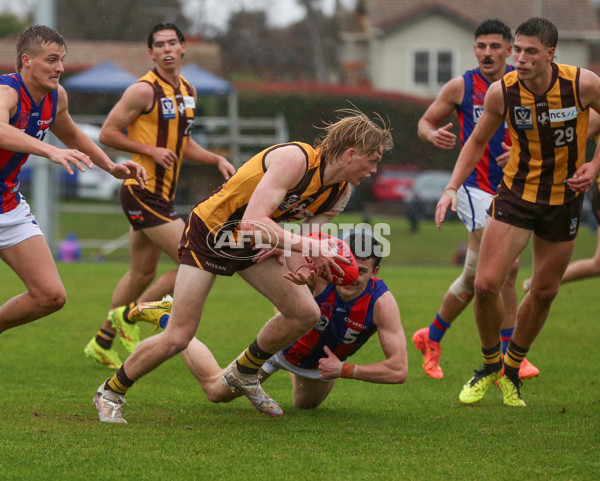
{"x":32,"y":103}
{"x":153,"y":121}
{"x":350,"y":315}
{"x":285,"y":182}
{"x":465,"y":95}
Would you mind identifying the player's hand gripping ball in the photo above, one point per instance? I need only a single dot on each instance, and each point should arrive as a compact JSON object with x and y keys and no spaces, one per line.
{"x":341,"y":248}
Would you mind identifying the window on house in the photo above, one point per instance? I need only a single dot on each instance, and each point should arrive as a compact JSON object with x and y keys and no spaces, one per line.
{"x":432,"y":67}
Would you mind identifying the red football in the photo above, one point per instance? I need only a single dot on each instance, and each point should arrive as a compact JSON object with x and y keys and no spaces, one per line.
{"x":340,"y":248}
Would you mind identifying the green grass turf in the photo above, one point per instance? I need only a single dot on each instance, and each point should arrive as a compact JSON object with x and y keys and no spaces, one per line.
{"x":417,"y":431}
{"x":49,"y":429}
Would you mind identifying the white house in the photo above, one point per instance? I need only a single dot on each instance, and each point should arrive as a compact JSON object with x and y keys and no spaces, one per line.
{"x":415,"y":46}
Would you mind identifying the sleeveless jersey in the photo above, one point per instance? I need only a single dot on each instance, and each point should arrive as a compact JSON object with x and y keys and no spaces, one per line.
{"x":31,"y":118}
{"x":548,"y":135}
{"x":344,"y":326}
{"x":488,"y":174}
{"x":227,"y":204}
{"x":167,"y":124}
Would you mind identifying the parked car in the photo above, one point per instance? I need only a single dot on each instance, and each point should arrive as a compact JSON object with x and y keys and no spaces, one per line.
{"x":94,"y":184}
{"x":427,"y":189}
{"x":394,"y":182}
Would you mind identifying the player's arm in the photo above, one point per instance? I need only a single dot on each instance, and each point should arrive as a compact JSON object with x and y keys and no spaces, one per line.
{"x":394,"y":368}
{"x":593,"y":124}
{"x":472,"y":151}
{"x":72,"y":136}
{"x":445,"y":104}
{"x":589,"y":88}
{"x":286,"y":166}
{"x":136,"y":100}
{"x":15,"y":140}
{"x":194,"y":152}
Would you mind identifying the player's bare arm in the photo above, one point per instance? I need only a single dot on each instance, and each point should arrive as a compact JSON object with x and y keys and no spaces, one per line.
{"x":394,"y":368}
{"x":472,"y":151}
{"x":300,"y":272}
{"x":589,"y":87}
{"x":194,"y":152}
{"x":15,"y":140}
{"x":285,"y":168}
{"x":72,"y":136}
{"x":430,"y":127}
{"x":136,"y":100}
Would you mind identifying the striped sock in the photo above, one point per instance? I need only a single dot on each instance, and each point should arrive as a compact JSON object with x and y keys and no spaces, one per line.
{"x":252,"y":359}
{"x":104,"y":339}
{"x":512,"y":360}
{"x":492,"y":360}
{"x":438,"y":328}
{"x":120,"y":383}
{"x":505,"y":335}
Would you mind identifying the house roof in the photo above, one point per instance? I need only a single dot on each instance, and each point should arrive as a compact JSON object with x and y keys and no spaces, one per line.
{"x":130,"y":56}
{"x":574,"y":18}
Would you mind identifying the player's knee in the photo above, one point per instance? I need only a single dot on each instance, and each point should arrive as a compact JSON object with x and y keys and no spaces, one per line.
{"x":52,"y":300}
{"x":177,"y":341}
{"x":543,"y":295}
{"x":304,"y":317}
{"x":486,"y":287}
{"x":463,"y":287}
{"x":143,"y":278}
{"x":310,"y":316}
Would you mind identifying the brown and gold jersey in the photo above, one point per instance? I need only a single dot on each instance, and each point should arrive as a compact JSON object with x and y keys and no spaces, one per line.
{"x":227,"y":204}
{"x":167,"y":124}
{"x":548,"y":134}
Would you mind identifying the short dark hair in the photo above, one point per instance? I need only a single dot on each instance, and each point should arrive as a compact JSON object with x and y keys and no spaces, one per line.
{"x":492,"y":26}
{"x":31,"y":41}
{"x":165,"y":26}
{"x":541,"y":28}
{"x":364,"y":246}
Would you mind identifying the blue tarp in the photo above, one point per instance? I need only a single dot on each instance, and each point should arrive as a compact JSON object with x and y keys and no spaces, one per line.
{"x":104,"y":77}
{"x":205,"y":83}
{"x":108,"y":77}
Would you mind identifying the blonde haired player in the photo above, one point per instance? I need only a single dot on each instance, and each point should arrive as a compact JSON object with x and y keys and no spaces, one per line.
{"x":285,"y":182}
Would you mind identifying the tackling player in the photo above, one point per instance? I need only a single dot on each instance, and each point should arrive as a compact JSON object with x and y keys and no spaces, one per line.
{"x":350,"y":315}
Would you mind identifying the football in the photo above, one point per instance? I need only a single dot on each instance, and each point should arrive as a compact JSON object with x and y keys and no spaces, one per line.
{"x":340,"y":248}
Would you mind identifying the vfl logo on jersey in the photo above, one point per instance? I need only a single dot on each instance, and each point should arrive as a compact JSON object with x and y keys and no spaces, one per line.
{"x":477,"y":111}
{"x":289,"y":201}
{"x":523,"y":119}
{"x":168,"y":108}
{"x":563,"y":115}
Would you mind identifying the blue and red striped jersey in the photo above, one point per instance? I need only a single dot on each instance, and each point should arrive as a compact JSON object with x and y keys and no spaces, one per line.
{"x":344,"y":326}
{"x":487,"y":175}
{"x":31,"y":118}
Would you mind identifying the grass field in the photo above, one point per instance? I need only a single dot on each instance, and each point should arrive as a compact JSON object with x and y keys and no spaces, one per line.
{"x":416,"y":431}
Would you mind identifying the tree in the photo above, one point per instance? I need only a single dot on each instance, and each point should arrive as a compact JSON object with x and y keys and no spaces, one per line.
{"x":251,"y":49}
{"x":115,"y":19}
{"x":10,"y":24}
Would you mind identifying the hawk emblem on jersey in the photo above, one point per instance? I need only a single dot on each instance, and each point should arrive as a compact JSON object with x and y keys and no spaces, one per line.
{"x":543,"y":118}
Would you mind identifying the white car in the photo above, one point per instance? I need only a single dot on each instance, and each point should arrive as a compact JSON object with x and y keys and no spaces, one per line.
{"x":97,"y":183}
